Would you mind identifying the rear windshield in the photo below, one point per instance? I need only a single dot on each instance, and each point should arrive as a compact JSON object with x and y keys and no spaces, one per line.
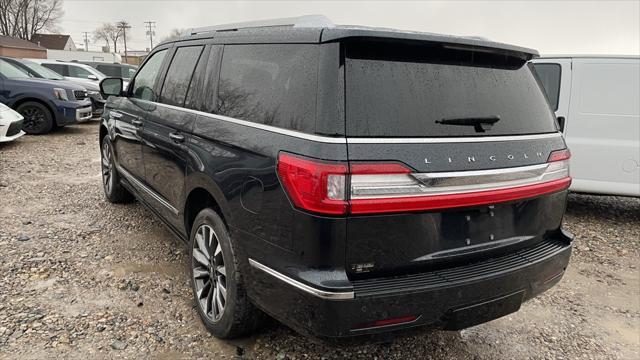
{"x":407,"y":90}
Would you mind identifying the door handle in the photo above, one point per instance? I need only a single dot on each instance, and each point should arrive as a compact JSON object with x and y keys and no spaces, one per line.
{"x":136,"y":122}
{"x":176,"y":137}
{"x":115,"y":114}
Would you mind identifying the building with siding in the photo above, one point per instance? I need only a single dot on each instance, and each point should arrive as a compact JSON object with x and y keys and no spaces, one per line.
{"x":54,"y":41}
{"x":18,"y":48}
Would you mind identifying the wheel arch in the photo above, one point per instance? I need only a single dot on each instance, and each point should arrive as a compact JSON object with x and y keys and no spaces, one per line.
{"x":103,"y":133}
{"x":46,"y":104}
{"x":203,"y":193}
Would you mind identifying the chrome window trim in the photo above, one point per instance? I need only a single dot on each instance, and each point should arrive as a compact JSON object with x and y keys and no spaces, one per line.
{"x":344,"y":140}
{"x":327,"y":295}
{"x":449,"y":140}
{"x":153,"y":194}
{"x":298,"y":134}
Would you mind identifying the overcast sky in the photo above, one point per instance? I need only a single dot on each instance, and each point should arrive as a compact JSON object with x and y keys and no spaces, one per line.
{"x":551,"y":27}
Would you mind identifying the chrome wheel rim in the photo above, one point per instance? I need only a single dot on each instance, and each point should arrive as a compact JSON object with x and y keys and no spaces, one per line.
{"x":107,"y":167}
{"x":209,"y":273}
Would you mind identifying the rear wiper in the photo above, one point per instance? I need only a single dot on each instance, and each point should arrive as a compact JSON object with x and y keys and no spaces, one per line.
{"x":480,"y":124}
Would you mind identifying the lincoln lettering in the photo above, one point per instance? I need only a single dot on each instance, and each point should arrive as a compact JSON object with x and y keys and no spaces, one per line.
{"x":472,"y":159}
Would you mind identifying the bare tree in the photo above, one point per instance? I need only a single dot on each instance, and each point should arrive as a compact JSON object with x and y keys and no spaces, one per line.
{"x":173,"y":34}
{"x":109,"y":33}
{"x":23,"y":18}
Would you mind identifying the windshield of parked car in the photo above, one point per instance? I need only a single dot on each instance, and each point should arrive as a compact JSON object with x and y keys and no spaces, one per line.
{"x":41,"y":70}
{"x":11,"y":71}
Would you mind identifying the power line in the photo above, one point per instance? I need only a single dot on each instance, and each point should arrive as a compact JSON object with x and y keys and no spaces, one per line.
{"x":86,"y":40}
{"x":151,"y":25}
{"x":123,"y":26}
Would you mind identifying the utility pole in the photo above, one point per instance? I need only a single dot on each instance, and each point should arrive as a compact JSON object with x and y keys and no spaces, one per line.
{"x":151,"y":25}
{"x":123,"y":26}
{"x":86,"y":40}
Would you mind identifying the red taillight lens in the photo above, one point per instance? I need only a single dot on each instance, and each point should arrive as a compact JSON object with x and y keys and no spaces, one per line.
{"x":314,"y":185}
{"x":559,"y":155}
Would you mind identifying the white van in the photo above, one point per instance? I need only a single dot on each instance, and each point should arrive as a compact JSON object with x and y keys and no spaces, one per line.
{"x":597,"y":102}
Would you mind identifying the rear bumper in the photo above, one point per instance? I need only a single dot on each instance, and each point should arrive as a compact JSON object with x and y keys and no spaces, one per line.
{"x":453,"y":298}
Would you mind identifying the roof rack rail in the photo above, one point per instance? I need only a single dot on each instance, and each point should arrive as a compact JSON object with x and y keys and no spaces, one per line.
{"x":306,"y":21}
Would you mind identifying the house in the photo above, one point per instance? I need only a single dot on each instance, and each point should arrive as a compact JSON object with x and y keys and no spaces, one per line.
{"x":18,"y":48}
{"x":54,"y":41}
{"x":134,"y":57}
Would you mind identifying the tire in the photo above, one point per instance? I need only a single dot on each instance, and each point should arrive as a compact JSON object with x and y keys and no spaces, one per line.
{"x":38,"y":119}
{"x":113,"y":190}
{"x":238,"y":316}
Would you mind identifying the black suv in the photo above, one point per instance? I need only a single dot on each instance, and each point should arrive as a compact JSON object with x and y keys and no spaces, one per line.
{"x":345,"y":180}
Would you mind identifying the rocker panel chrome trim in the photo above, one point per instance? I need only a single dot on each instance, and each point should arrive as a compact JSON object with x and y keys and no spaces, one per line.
{"x":143,"y":187}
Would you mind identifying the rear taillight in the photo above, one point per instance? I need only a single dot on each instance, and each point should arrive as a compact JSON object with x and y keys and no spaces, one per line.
{"x":335,"y":188}
{"x":314,"y":185}
{"x":559,"y":155}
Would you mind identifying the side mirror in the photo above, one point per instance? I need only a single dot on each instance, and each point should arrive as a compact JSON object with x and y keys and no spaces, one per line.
{"x":111,"y":87}
{"x":92,"y":77}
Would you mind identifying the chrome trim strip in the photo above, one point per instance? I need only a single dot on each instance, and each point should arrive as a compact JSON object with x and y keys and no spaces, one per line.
{"x":297,"y":134}
{"x":343,"y":140}
{"x":327,"y":295}
{"x":448,"y":140}
{"x":446,"y":183}
{"x":153,"y":194}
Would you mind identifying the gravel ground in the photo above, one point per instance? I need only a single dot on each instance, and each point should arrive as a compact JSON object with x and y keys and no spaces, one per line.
{"x":80,"y":277}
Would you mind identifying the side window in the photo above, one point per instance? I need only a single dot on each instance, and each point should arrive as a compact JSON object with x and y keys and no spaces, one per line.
{"x":198,"y":89}
{"x":59,"y":68}
{"x":127,"y":72}
{"x":549,"y":75}
{"x":270,"y":84}
{"x":176,"y":83}
{"x":108,"y":70}
{"x":78,"y":72}
{"x":143,"y":83}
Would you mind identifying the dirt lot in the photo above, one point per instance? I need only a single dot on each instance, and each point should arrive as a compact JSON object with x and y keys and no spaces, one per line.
{"x":82,"y":278}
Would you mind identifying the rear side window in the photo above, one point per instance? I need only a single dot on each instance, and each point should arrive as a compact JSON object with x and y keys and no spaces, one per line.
{"x":146,"y":78}
{"x":78,"y":72}
{"x":59,"y":68}
{"x":109,"y":70}
{"x":549,"y":75}
{"x":179,"y":75}
{"x":400,"y":90}
{"x":270,"y":84}
{"x":116,"y":70}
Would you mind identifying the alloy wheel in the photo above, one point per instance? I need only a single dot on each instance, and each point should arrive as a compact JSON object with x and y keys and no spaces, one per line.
{"x":34,"y":118}
{"x":209,"y":273}
{"x":107,"y":167}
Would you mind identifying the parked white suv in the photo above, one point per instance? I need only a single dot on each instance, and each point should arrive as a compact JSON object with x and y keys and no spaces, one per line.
{"x":596,"y":99}
{"x":73,"y":71}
